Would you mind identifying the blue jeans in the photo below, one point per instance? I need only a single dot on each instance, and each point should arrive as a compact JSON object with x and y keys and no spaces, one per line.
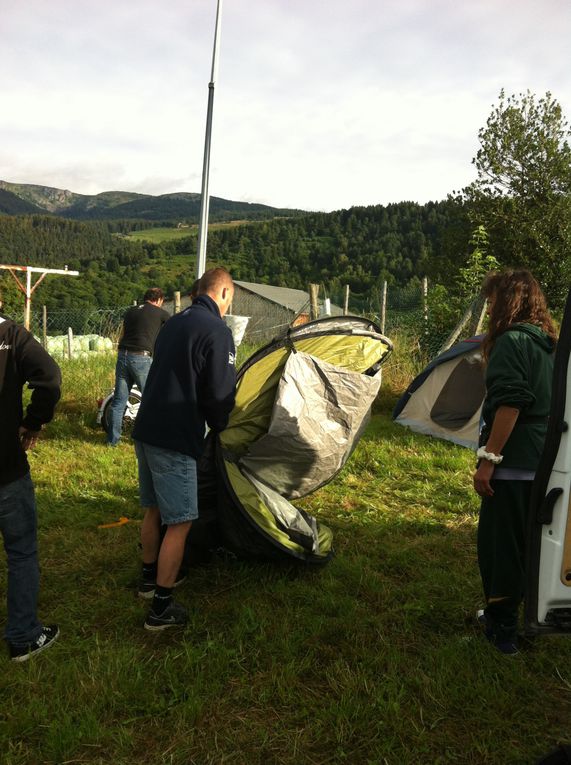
{"x":131,"y":369}
{"x":18,"y":526}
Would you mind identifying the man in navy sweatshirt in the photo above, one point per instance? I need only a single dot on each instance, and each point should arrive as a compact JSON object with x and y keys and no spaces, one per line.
{"x":191,"y":383}
{"x":23,"y":360}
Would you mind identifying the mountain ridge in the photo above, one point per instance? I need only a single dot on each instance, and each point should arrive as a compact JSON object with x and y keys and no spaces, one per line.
{"x":115,"y":205}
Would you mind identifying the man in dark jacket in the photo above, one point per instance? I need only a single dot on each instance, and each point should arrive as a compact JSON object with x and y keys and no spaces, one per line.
{"x":141,"y":325}
{"x":191,"y":383}
{"x":22,"y":359}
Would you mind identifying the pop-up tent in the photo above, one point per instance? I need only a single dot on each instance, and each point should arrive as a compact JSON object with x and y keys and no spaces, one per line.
{"x":445,"y":399}
{"x":302,"y":402}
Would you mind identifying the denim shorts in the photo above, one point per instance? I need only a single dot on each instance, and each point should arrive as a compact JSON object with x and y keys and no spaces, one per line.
{"x":167,"y":480}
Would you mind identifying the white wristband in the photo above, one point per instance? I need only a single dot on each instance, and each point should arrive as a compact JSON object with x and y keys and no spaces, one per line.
{"x":482,"y":454}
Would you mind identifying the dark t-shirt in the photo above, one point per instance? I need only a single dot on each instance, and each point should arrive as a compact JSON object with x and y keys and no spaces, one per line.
{"x":141,"y":326}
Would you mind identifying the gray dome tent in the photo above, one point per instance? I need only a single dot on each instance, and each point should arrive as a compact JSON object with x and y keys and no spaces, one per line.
{"x":445,"y":399}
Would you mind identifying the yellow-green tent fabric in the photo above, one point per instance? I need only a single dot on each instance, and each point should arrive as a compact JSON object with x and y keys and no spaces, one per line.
{"x":301,"y":404}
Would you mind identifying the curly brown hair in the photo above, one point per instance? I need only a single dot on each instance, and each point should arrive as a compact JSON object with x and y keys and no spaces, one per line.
{"x":515,"y":296}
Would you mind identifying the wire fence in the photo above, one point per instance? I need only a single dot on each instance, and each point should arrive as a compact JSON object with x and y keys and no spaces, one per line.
{"x":105,"y":322}
{"x":417,"y":328}
{"x":405,"y":313}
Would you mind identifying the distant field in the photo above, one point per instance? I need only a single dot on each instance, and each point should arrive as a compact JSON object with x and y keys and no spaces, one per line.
{"x":160,"y":234}
{"x":157,"y":235}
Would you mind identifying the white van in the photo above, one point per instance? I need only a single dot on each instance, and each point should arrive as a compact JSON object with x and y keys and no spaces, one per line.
{"x":548,"y":586}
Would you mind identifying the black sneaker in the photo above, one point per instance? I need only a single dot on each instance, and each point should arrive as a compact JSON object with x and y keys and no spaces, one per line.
{"x":147,"y":589}
{"x":47,"y":637}
{"x":481,"y":618}
{"x":174,"y":615}
{"x":508,"y":647}
{"x":484,"y":624}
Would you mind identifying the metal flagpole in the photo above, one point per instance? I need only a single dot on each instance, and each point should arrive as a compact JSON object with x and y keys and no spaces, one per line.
{"x":205,"y":199}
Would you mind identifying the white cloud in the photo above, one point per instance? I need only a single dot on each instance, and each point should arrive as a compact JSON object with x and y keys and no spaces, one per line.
{"x":318,"y":105}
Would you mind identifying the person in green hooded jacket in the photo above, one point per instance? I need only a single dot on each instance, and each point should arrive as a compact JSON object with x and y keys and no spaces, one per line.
{"x":518,"y":350}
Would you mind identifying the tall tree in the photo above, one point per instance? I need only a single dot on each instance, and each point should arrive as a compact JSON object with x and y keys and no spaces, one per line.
{"x":522,"y":194}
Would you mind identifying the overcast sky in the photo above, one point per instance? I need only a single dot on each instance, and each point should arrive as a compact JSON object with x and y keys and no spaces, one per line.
{"x":319,"y":104}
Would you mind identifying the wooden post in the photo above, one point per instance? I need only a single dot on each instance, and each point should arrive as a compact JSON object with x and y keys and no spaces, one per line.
{"x":313,"y":305}
{"x":455,"y":334}
{"x":383,"y":307}
{"x":29,"y":288}
{"x":177,"y":302}
{"x":482,"y":318}
{"x":70,"y":342}
{"x":346,"y":301}
{"x":45,"y":326}
{"x":27,"y":300}
{"x":425,"y":304}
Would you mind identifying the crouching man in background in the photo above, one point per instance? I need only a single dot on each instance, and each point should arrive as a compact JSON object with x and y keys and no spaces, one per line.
{"x":22,"y":359}
{"x":192,"y":381}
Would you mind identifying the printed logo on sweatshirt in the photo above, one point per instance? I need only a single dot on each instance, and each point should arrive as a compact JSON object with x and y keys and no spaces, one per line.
{"x":231,"y":358}
{"x":4,"y":346}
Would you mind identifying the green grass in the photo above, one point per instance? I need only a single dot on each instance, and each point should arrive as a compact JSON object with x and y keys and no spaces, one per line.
{"x":162,"y":234}
{"x":367,"y":661}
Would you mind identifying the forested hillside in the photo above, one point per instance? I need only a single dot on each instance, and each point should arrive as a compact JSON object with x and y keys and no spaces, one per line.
{"x":516,"y":213}
{"x":360,"y":247}
{"x":109,"y":265}
{"x":173,"y":208}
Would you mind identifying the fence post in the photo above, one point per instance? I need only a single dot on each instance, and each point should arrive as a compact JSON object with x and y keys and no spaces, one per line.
{"x":346,"y":301}
{"x":177,"y":302}
{"x":313,"y":306}
{"x":455,"y":334}
{"x":70,"y":342}
{"x":45,"y":326}
{"x":481,"y":319}
{"x":425,"y":305}
{"x":383,"y":307}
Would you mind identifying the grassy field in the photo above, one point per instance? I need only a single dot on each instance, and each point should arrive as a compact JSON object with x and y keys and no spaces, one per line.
{"x":369,"y":661}
{"x":161,"y":234}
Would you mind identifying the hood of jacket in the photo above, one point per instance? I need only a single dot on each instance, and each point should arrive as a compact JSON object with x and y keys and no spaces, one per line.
{"x":536,"y":334}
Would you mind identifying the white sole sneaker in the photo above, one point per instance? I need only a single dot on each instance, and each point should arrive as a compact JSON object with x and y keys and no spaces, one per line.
{"x":47,"y":638}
